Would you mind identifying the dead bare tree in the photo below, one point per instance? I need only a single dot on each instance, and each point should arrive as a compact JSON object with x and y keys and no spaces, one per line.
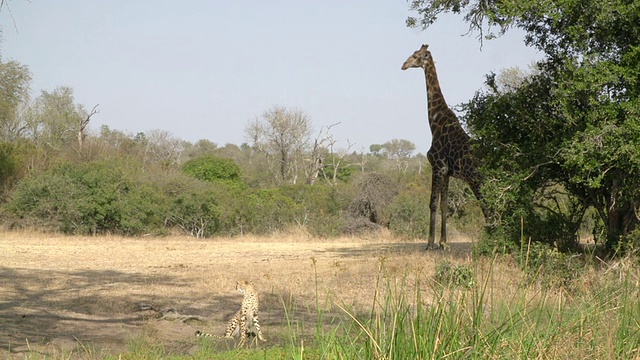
{"x":83,"y":123}
{"x":163,"y":148}
{"x":363,"y":159}
{"x":5,"y":4}
{"x":336,"y":162}
{"x":283,"y":136}
{"x":315,"y":162}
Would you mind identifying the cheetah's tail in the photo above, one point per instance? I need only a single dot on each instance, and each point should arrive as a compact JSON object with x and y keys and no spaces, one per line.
{"x":204,"y":334}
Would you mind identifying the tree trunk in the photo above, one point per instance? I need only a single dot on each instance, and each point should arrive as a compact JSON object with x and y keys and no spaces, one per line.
{"x":316,"y":166}
{"x":621,"y":220}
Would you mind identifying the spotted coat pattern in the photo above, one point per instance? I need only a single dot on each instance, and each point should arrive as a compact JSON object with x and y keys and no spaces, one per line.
{"x":245,"y":321}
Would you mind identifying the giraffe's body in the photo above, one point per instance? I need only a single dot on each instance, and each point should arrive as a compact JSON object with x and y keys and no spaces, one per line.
{"x":450,"y":152}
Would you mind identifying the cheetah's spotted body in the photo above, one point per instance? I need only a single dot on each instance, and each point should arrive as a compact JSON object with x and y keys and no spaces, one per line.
{"x":245,"y":321}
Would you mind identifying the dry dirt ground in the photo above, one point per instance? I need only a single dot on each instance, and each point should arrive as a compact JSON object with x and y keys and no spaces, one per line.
{"x":81,"y":294}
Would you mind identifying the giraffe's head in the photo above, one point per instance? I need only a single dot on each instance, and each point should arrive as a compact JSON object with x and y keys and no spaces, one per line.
{"x":418,"y":58}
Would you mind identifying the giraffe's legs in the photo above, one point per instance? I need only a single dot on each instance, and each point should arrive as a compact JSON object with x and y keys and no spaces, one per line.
{"x":437,"y":184}
{"x":444,"y":209}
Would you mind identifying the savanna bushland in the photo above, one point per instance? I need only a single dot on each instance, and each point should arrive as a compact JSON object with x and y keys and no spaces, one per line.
{"x":99,"y":221}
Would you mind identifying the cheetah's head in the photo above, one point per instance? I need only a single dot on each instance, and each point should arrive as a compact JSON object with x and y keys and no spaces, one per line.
{"x":243,"y":285}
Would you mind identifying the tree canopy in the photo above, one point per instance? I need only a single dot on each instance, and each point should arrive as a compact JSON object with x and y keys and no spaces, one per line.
{"x":14,"y":90}
{"x":282,"y":135}
{"x":211,"y":168}
{"x":567,"y":138}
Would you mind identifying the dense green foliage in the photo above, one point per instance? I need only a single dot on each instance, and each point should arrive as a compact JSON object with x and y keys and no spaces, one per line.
{"x":567,"y":139}
{"x":122,"y":196}
{"x":211,"y":168}
{"x":8,"y":164}
{"x":87,"y":198}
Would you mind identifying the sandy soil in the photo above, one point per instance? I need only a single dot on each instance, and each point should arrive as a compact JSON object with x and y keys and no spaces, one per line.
{"x":82,"y":294}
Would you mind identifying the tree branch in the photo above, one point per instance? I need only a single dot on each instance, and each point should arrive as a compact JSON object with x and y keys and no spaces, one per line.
{"x":84,"y":123}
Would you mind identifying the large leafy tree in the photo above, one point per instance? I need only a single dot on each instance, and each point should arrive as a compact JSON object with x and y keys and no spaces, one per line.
{"x":568,"y":137}
{"x":14,"y":92}
{"x":56,"y":119}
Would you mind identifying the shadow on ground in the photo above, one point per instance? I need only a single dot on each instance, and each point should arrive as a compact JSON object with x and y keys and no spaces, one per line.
{"x":39,"y":307}
{"x":55,"y":312}
{"x":455,"y":249}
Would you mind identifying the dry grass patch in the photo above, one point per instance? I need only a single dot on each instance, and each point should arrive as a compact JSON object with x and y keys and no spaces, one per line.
{"x":56,"y":286}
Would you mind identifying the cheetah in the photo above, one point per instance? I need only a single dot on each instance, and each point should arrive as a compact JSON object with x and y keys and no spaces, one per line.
{"x":245,"y":321}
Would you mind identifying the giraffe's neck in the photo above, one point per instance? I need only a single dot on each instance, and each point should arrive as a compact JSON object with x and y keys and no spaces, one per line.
{"x":435,"y":99}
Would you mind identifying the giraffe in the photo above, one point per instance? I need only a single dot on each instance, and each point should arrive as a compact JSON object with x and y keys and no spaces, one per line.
{"x":450,"y":152}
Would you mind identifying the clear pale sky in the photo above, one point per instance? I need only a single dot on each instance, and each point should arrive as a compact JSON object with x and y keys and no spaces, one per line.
{"x":203,"y":69}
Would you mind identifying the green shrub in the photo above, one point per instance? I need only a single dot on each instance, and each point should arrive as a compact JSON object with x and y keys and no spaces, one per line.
{"x":88,"y":198}
{"x":142,"y":209}
{"x":113,"y":197}
{"x":318,"y":208}
{"x":455,"y":275}
{"x":211,"y":168}
{"x":269,"y":211}
{"x":192,"y":206}
{"x":409,"y":215}
{"x":629,"y":244}
{"x":494,"y":242}
{"x":8,"y":163}
{"x":544,"y":263}
{"x":44,"y":202}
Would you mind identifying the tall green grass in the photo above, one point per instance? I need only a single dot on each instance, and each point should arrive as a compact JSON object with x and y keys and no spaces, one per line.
{"x":599,"y":320}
